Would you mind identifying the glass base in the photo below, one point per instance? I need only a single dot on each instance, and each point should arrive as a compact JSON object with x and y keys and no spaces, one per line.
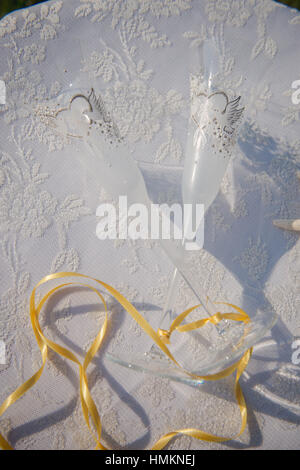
{"x":200,"y":355}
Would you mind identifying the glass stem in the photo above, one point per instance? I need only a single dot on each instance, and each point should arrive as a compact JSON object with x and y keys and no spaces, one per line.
{"x":181,"y":269}
{"x":169,"y":310}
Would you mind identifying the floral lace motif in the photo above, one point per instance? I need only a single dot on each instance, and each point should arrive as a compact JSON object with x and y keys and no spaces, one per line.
{"x":47,"y":206}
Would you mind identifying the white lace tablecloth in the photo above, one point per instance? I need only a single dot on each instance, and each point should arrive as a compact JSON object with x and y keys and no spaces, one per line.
{"x":136,"y":53}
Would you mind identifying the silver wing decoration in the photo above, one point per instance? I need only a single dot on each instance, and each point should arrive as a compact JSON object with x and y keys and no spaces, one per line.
{"x":100,"y":117}
{"x":233,"y":115}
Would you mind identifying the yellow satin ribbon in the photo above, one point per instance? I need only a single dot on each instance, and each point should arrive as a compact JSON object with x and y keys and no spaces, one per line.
{"x":161,"y":338}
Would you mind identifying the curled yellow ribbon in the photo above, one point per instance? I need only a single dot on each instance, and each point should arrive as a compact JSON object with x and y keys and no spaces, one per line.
{"x":161,"y":338}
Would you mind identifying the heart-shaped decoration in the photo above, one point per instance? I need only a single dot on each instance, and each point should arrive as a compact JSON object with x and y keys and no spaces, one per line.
{"x":80,"y":114}
{"x":72,"y":120}
{"x":217,"y":108}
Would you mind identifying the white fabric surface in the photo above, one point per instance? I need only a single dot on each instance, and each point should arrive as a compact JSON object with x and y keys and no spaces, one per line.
{"x":136,"y":53}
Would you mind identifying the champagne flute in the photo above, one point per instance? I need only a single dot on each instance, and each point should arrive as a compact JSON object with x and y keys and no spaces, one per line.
{"x":212,"y":132}
{"x":82,"y":115}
